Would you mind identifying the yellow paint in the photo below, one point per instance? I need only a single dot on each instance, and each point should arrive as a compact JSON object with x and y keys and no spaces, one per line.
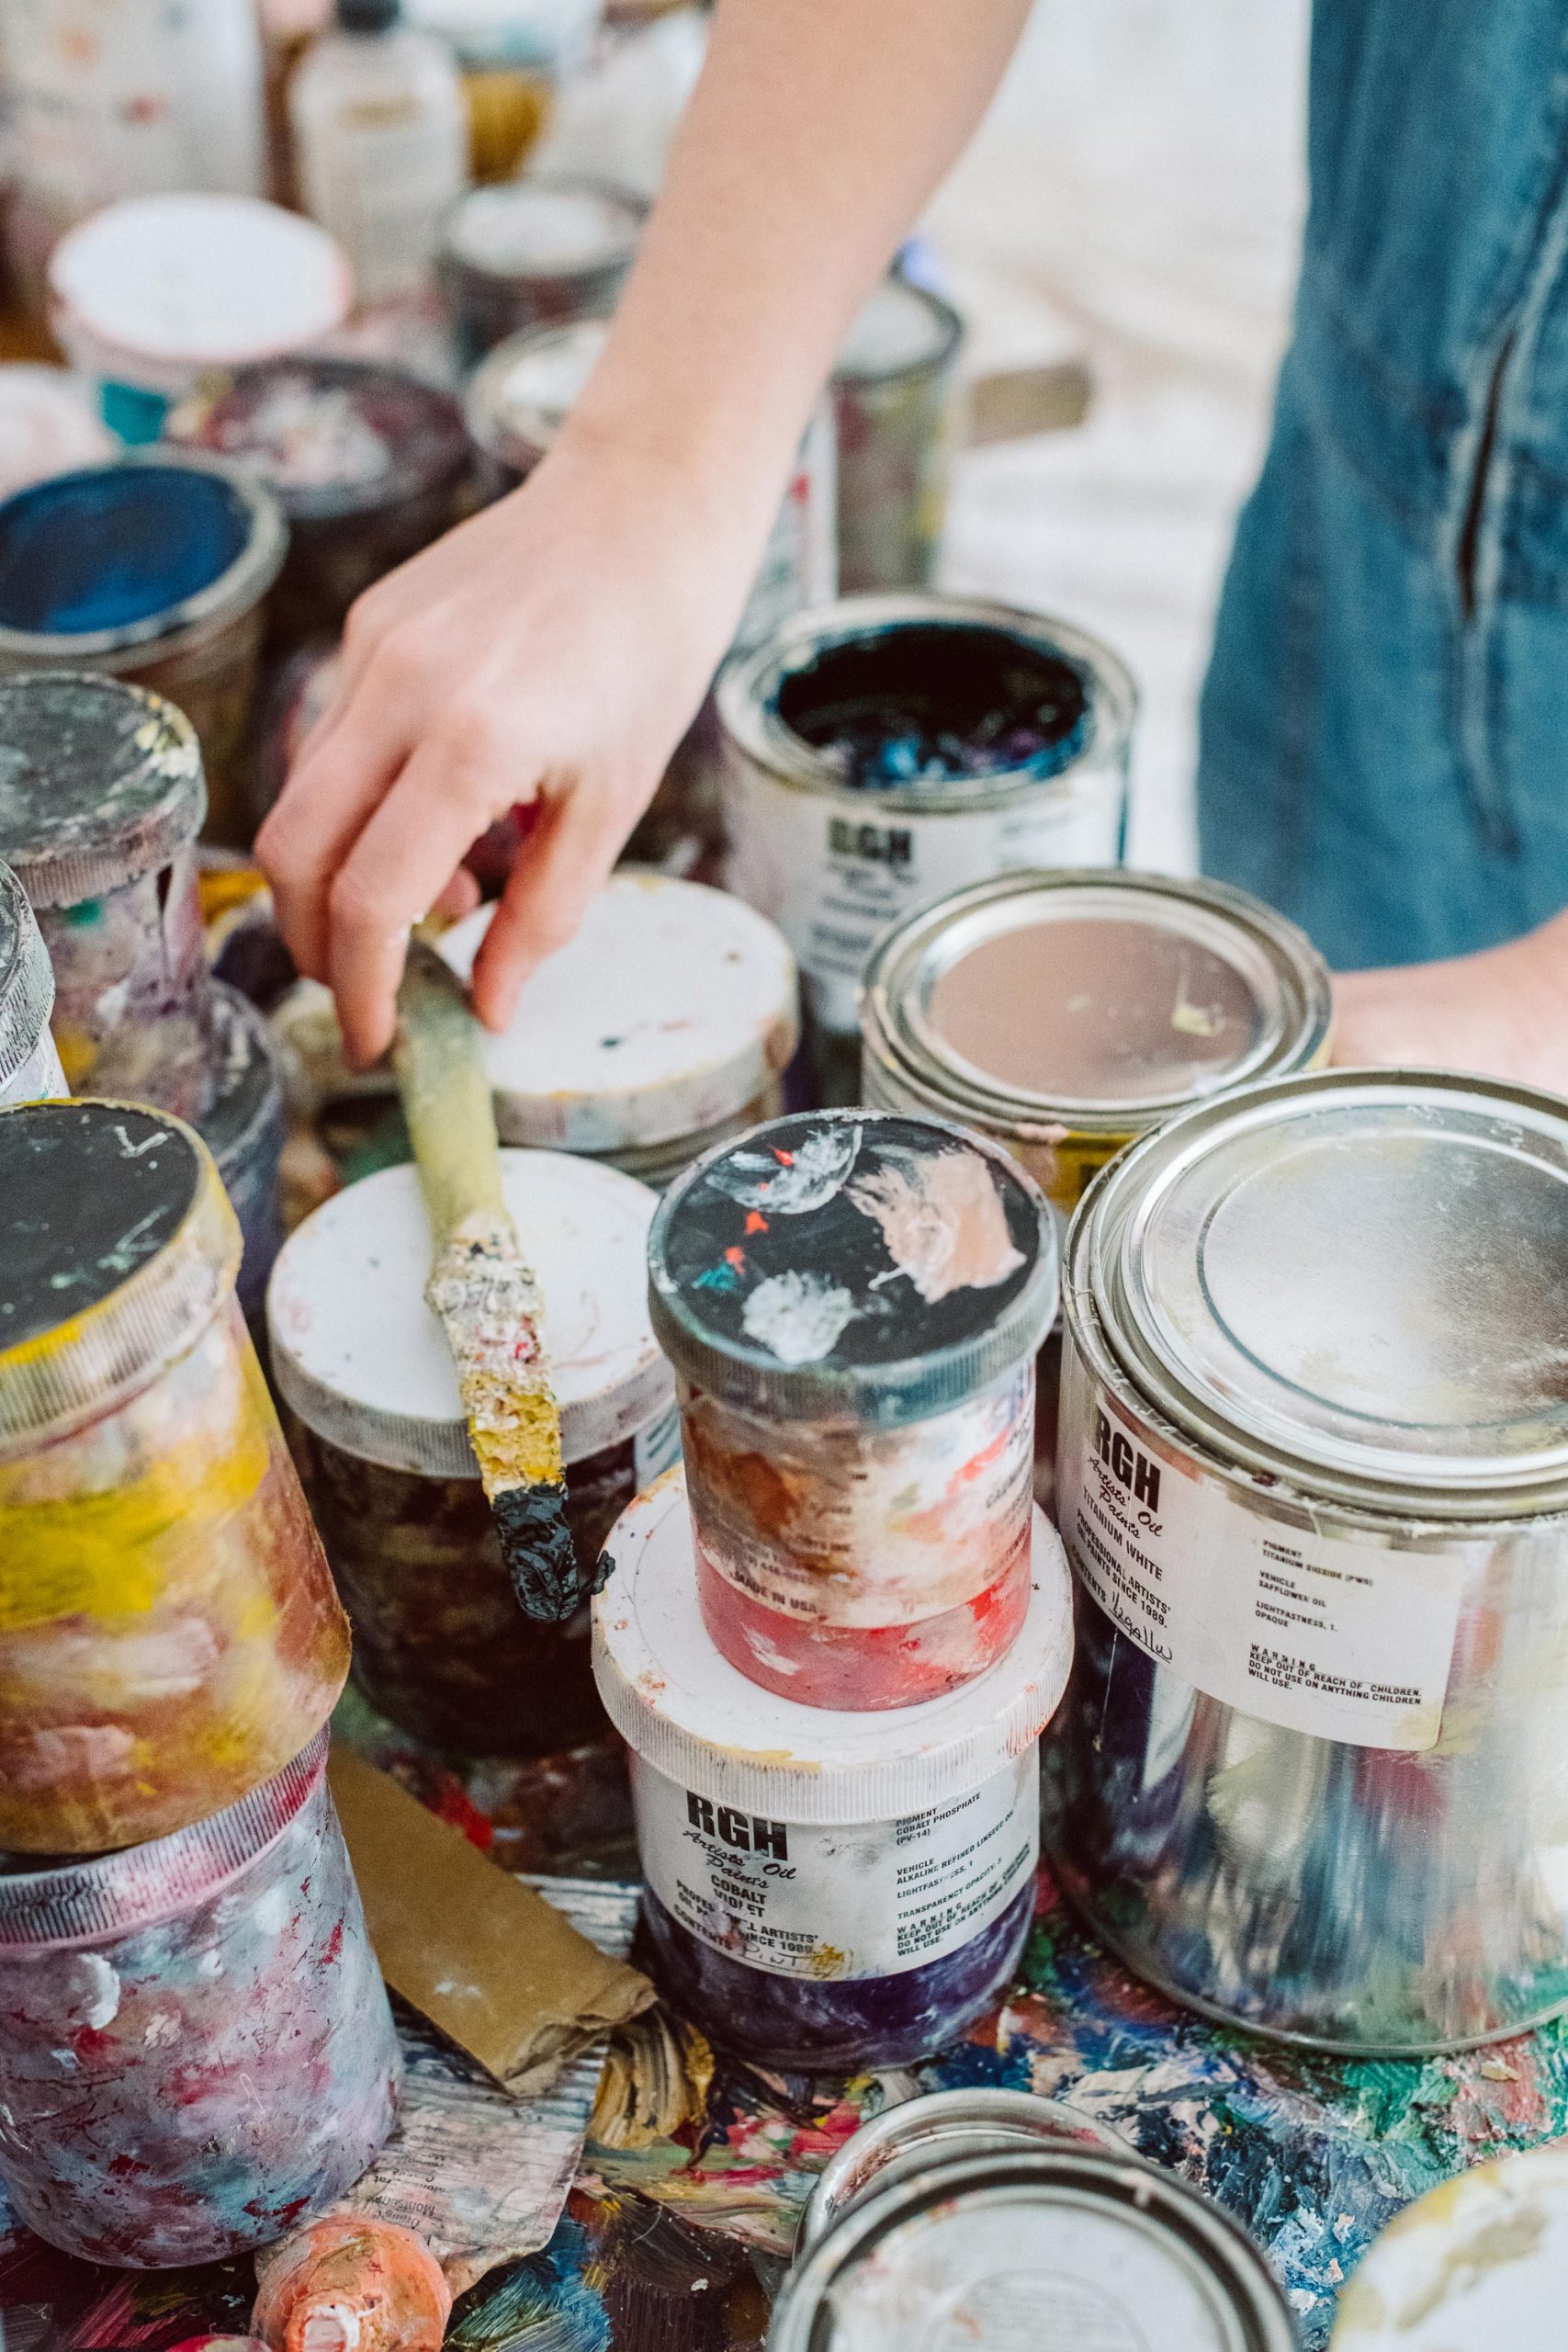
{"x":77,"y":1052}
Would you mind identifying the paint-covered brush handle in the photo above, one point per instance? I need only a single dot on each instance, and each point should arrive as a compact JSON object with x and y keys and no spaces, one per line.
{"x":446,"y":1098}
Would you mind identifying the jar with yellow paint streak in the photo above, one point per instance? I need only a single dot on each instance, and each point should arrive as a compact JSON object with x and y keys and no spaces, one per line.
{"x":169,"y":1634}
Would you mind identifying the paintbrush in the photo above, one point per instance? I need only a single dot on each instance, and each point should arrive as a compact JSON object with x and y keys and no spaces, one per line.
{"x":481,"y":1286}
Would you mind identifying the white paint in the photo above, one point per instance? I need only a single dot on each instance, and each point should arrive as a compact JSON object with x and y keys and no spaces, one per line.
{"x":806,"y":1179}
{"x":1476,"y":2266}
{"x":800,"y":1317}
{"x":331,"y":2327}
{"x":104,"y":2005}
{"x":531,"y":229}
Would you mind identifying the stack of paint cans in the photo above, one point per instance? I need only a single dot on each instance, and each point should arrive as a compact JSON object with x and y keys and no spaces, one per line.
{"x":893,"y":386}
{"x":538,"y":252}
{"x":195,"y":2043}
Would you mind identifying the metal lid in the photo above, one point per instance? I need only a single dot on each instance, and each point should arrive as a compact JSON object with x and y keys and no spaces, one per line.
{"x":364,"y":1363}
{"x":99,"y":784}
{"x":956,"y":703}
{"x":1355,"y":1279}
{"x":120,"y":1247}
{"x":555,"y":227}
{"x":243,"y":1124}
{"x":672,"y":1007}
{"x":79,"y":1902}
{"x":976,"y":2120}
{"x":520,"y":397}
{"x":27,"y":977}
{"x":852,"y":1265}
{"x":690,"y":1714}
{"x":1094,"y":1001}
{"x":1479,"y":2265}
{"x":1058,"y":2249}
{"x":329,"y":437}
{"x":899,"y":329}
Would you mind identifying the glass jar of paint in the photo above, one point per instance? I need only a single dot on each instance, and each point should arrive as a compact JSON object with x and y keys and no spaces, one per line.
{"x":538,"y":252}
{"x":893,"y":385}
{"x":30,"y":1066}
{"x":442,"y":1645}
{"x":823,"y":1891}
{"x":195,"y":2040}
{"x":853,"y":1303}
{"x":169,"y":1634}
{"x":152,"y":568}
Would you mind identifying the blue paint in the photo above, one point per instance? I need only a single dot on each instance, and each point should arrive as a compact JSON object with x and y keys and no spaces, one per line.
{"x":114,"y":546}
{"x":134,"y":416}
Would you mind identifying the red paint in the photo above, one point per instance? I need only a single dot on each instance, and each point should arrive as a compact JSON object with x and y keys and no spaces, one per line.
{"x":756,"y":1222}
{"x":735,"y":1256}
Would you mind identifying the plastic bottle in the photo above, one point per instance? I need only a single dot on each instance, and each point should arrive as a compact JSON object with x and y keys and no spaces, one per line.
{"x":380,"y":139}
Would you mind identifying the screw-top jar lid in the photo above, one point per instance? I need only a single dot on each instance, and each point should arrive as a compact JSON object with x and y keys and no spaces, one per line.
{"x":362,"y":1359}
{"x":671,"y":1010}
{"x":79,"y":1902}
{"x":99,"y":784}
{"x":521,"y":395}
{"x":551,"y":227}
{"x":852,"y":1264}
{"x":1477,"y":2264}
{"x":120,"y":1245}
{"x":27,"y":977}
{"x":693,"y":1716}
{"x":899,"y":328}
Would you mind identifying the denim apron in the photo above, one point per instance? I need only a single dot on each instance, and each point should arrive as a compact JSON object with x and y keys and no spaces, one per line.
{"x":1384,"y":727}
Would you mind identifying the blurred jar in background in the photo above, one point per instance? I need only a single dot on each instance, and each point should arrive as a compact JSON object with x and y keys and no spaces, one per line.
{"x":513,"y":55}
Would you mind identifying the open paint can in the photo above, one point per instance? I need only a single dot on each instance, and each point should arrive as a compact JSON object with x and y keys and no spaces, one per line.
{"x":152,"y":568}
{"x":538,"y":252}
{"x":822,"y":1890}
{"x":1070,"y":2245}
{"x":48,"y":424}
{"x":244,"y":1127}
{"x":886,"y":749}
{"x":30,"y":1066}
{"x":1475,"y":2266}
{"x":1314,"y":1481}
{"x":893,"y":382}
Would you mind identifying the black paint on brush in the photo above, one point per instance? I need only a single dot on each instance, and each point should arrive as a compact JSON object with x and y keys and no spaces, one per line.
{"x":538,"y":1552}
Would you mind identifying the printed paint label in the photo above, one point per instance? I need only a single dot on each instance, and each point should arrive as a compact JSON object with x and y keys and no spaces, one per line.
{"x":656,"y":1447}
{"x":824,"y":1901}
{"x":1316,"y":1633}
{"x":41,"y":1077}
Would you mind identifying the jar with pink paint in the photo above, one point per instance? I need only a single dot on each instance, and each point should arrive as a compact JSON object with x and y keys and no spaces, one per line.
{"x":852,"y":1303}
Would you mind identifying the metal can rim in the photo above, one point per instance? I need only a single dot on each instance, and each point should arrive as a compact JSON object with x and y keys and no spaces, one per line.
{"x":949,"y":322}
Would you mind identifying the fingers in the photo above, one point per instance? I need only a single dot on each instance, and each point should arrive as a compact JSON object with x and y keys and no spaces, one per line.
{"x":461,"y":896}
{"x":561,"y":863}
{"x":331,"y":793}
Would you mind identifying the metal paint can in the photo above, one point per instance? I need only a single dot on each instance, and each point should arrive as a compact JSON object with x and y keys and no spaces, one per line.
{"x":1035,"y":2247}
{"x":1476,"y":2266}
{"x":30,"y":1065}
{"x":1314,"y":1479}
{"x":244,"y":1127}
{"x":1014,"y":730}
{"x":893,"y":403}
{"x":537,"y":252}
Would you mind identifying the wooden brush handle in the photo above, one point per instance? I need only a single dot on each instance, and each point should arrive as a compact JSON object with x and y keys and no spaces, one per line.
{"x":447,"y":1100}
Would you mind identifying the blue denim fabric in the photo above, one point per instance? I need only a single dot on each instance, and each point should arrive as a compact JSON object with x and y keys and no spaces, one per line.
{"x":1384,"y":727}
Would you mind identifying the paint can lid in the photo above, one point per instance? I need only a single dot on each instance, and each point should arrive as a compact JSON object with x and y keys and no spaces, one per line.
{"x":554,"y":228}
{"x":1473,"y":2265}
{"x":109,"y":1894}
{"x":671,"y":1011}
{"x":973,"y":2253}
{"x":1353,"y":1280}
{"x":27,"y":979}
{"x":519,"y":397}
{"x":243,"y":1126}
{"x":690,"y":1714}
{"x":330,"y":437}
{"x":96,"y":565}
{"x":120,"y":1247}
{"x":977,"y":2119}
{"x":856,"y":1265}
{"x":99,"y":784}
{"x":363,"y":1361}
{"x":49,"y":423}
{"x":1038,"y":1005}
{"x":899,"y":328}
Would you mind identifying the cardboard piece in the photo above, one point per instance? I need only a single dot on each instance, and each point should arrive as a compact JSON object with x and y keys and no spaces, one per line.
{"x":1017,"y":401}
{"x":487,"y":1961}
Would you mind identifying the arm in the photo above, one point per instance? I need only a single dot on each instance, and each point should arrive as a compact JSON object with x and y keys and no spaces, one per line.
{"x":1503,"y":1011}
{"x":555,"y":648}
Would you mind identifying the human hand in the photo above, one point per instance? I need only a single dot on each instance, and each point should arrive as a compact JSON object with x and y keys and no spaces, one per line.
{"x":1503,"y":1012}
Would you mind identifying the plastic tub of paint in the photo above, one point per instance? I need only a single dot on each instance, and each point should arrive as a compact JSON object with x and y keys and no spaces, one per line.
{"x":1019,"y":2249}
{"x":1477,"y":2264}
{"x":153,"y":570}
{"x":30,"y":1066}
{"x":244,"y":1127}
{"x":535,"y":253}
{"x":194,"y":2041}
{"x":822,"y":1891}
{"x":890,"y":747}
{"x":893,"y":402}
{"x":49,"y":423}
{"x":148,"y":294}
{"x":169,"y":1635}
{"x":367,"y":462}
{"x":1313,"y":1480}
{"x":441,"y":1643}
{"x":852,"y":1303}
{"x":664,"y":1027}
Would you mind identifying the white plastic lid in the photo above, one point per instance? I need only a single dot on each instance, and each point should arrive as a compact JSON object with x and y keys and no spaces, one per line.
{"x":365,"y":1363}
{"x":693,"y":1716}
{"x":49,"y":424}
{"x":544,"y":228}
{"x":672,"y":1009}
{"x":1480,"y":2265}
{"x":200,"y":280}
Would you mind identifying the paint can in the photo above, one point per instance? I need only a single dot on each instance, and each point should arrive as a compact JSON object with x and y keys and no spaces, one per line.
{"x":1314,"y":1481}
{"x":195,"y":2040}
{"x":822,"y":1891}
{"x":147,"y":296}
{"x":367,"y":461}
{"x":537,"y":252}
{"x":30,"y":1066}
{"x":852,"y":1303}
{"x":662,"y":1029}
{"x":244,"y":1126}
{"x":49,"y":423}
{"x":893,"y":388}
{"x":441,"y":1646}
{"x":978,"y":2119}
{"x":1471,"y":2266}
{"x":1073,"y":2245}
{"x":886,"y":749}
{"x":169,"y":1635}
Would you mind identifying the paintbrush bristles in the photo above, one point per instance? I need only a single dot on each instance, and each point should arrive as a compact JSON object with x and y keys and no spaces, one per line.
{"x":491,"y":1310}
